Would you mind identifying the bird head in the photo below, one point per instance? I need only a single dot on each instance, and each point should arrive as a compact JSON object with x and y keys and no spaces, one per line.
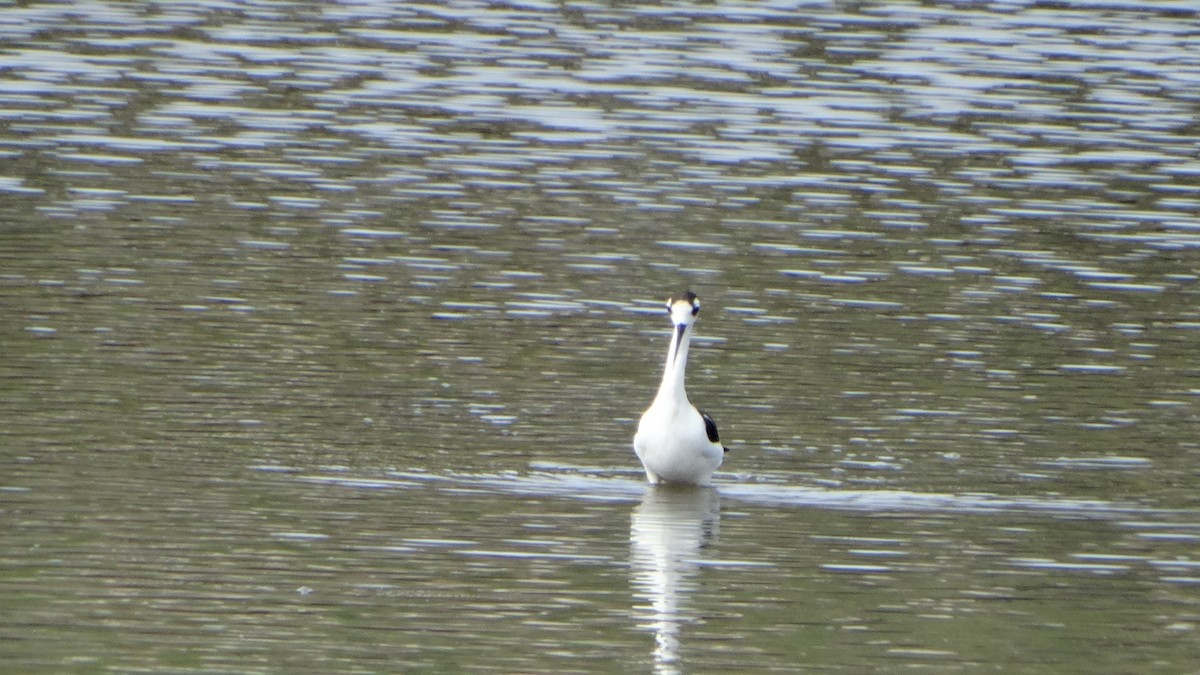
{"x":683,"y":308}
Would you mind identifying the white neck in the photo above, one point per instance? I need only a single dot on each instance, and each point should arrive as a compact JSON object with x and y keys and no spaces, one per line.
{"x":672,"y":381}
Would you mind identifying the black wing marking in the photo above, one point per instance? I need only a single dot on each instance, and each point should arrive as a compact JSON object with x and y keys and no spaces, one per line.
{"x":710,"y":428}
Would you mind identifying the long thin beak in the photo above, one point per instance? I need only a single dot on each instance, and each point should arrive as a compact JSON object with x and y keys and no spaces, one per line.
{"x":679,"y":331}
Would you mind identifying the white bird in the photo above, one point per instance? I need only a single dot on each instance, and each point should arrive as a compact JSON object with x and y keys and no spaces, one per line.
{"x":676,"y":442}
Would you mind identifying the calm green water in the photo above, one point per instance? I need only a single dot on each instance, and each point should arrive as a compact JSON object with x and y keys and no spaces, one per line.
{"x":328,"y":326}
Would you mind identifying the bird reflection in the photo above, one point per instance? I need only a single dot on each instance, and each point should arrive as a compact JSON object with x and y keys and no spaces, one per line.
{"x":668,"y":530}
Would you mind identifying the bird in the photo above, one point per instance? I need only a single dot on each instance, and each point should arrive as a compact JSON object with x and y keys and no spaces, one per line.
{"x":676,"y":442}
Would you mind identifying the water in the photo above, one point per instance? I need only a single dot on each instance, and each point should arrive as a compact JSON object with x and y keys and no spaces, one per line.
{"x":329,"y":325}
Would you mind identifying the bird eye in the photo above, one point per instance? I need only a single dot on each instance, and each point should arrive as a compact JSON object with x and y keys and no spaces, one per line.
{"x":695,"y":309}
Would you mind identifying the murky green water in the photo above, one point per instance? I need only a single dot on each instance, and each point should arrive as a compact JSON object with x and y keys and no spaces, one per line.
{"x":328,"y":325}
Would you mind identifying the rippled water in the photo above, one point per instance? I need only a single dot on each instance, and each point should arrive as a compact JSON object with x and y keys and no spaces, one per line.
{"x":329,"y":325}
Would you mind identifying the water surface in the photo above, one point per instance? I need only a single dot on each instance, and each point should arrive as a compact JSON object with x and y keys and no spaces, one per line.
{"x":329,"y":326}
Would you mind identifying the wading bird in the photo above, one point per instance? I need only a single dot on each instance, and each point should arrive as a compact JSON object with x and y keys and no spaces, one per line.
{"x":676,"y":442}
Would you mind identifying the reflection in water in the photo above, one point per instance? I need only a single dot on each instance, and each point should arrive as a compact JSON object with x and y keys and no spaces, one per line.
{"x":668,"y":530}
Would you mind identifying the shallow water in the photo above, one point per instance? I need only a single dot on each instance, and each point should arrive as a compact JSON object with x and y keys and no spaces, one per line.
{"x":329,"y":326}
